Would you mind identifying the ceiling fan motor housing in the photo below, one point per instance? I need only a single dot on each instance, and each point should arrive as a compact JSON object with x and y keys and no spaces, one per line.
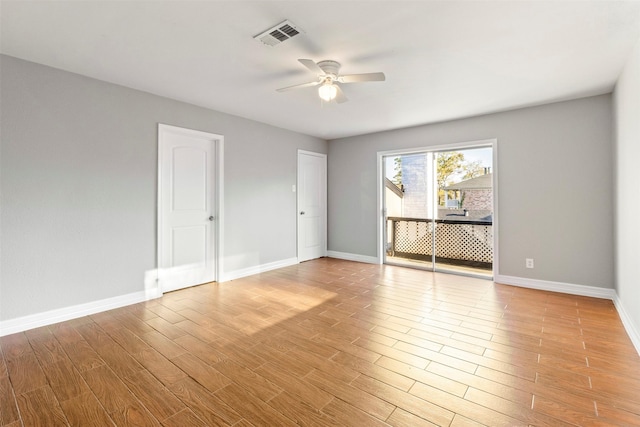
{"x":331,"y":68}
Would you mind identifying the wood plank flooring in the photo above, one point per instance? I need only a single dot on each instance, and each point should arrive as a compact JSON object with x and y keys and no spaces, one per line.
{"x":330,"y":343}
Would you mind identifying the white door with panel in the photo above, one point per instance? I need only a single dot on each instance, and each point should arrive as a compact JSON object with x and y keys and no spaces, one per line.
{"x":312,"y":205}
{"x":186,"y":207}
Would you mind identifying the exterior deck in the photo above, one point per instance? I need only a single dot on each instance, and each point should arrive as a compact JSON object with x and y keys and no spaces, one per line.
{"x":460,"y":244}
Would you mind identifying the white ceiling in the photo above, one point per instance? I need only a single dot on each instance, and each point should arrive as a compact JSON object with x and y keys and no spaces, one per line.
{"x":442,"y":59}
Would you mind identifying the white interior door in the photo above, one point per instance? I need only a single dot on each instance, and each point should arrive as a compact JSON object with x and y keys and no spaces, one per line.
{"x":186,"y":207}
{"x":312,"y":205}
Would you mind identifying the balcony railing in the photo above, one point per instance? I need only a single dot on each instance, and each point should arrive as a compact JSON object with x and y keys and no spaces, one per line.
{"x":464,"y":242}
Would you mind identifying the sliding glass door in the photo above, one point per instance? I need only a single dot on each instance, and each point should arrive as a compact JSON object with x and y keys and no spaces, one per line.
{"x":438,"y":209}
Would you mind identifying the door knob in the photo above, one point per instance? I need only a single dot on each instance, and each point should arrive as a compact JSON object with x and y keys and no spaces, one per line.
{"x":301,"y":212}
{"x":211,"y":218}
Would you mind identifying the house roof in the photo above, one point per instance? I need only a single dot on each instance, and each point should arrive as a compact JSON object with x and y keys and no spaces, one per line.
{"x":443,"y":60}
{"x":478,"y":183}
{"x":393,"y":187}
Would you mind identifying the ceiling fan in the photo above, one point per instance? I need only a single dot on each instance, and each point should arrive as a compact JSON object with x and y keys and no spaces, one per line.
{"x":329,"y":78}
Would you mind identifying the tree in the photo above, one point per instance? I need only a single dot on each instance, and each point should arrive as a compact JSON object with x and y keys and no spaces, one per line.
{"x":472,"y":169}
{"x":397,"y":167}
{"x":448,"y":164}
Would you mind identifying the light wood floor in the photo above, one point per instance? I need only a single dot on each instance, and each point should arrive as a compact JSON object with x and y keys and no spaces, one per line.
{"x":330,"y":342}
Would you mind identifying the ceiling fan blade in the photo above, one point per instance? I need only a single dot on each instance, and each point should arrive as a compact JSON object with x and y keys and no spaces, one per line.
{"x":311,"y":65}
{"x":283,"y":89}
{"x":366,"y":77}
{"x":340,"y":96}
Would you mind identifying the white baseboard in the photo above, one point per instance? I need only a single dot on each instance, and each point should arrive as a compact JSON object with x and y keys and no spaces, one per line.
{"x":631,"y":329}
{"x":249,"y":271}
{"x":587,"y":291}
{"x":565,"y":288}
{"x":37,"y":320}
{"x":12,"y":326}
{"x":353,"y":257}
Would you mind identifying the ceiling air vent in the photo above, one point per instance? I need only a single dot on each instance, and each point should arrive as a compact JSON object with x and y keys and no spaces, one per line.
{"x":276,"y":35}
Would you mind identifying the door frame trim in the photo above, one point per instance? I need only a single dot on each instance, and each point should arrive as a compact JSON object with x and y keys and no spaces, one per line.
{"x":493,"y":143}
{"x":323,"y":156}
{"x":218,"y":198}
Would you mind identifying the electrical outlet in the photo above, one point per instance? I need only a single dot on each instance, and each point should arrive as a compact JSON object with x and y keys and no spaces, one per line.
{"x":529,"y":262}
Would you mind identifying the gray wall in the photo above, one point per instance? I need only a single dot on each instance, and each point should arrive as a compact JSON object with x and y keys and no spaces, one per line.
{"x":627,"y":137}
{"x":79,"y":186}
{"x":554,"y":186}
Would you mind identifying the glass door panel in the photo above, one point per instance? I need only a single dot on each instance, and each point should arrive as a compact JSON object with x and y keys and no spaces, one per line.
{"x":438,"y":210}
{"x":409,"y":205}
{"x":464,"y":220}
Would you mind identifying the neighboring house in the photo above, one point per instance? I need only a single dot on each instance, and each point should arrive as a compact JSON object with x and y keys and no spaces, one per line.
{"x":472,"y":194}
{"x":416,"y":185}
{"x":393,"y":198}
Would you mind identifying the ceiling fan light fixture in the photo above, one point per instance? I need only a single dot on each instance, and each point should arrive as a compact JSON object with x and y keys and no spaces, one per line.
{"x":329,"y":80}
{"x":328,"y":92}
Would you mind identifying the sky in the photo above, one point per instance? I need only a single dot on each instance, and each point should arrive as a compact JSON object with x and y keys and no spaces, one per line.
{"x":482,"y":154}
